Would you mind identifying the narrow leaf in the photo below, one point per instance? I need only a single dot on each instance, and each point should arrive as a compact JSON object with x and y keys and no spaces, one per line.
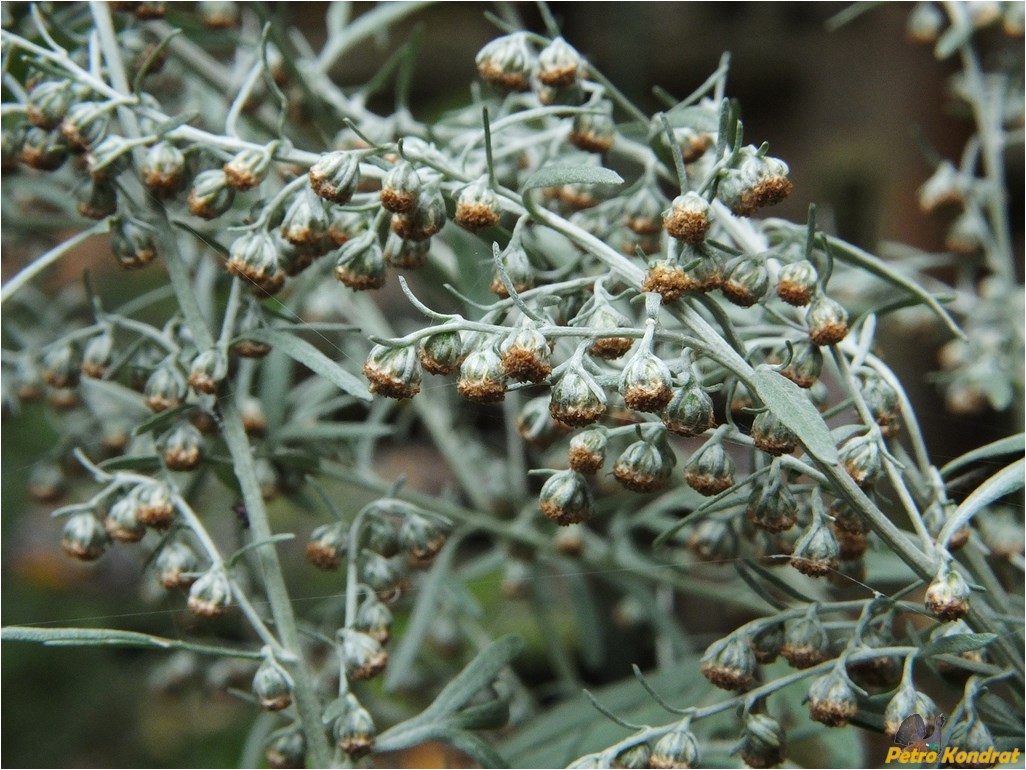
{"x":306,"y":354}
{"x":478,"y":674}
{"x":791,"y":405}
{"x":1006,"y":446}
{"x":775,"y":581}
{"x":956,"y":644}
{"x":694,"y":117}
{"x":557,"y":174}
{"x":279,"y":538}
{"x":161,"y":420}
{"x":111,"y":637}
{"x":1007,"y":480}
{"x":142,"y":463}
{"x":758,"y":588}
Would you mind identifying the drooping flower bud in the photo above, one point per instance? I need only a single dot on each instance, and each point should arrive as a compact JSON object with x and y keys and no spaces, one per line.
{"x":426,"y":219}
{"x":254,"y":257}
{"x":211,"y":594}
{"x":771,"y":435}
{"x":634,"y":757}
{"x":668,"y":279}
{"x":560,"y":65}
{"x":272,"y":685}
{"x":576,"y":399}
{"x":535,"y":424}
{"x":592,"y":133}
{"x":441,"y":353}
{"x":710,"y":471}
{"x":863,"y":460}
{"x":816,"y":552}
{"x":222,"y":14}
{"x":566,"y":498}
{"x":85,"y":124}
{"x":122,"y":523}
{"x":676,"y":749}
{"x":882,"y":401}
{"x":796,"y":283}
{"x":97,"y":200}
{"x":767,"y":642}
{"x":729,"y":663}
{"x":374,"y":619}
{"x":354,"y":729}
{"x":588,"y":451}
{"x":249,"y":322}
{"x":133,"y":242}
{"x":645,"y":466}
{"x":805,"y":365}
{"x":361,"y":263}
{"x":305,"y":224}
{"x":384,"y":576}
{"x":393,"y":372}
{"x":687,"y":219}
{"x":772,"y":506}
{"x":806,"y":643}
{"x":517,"y":266}
{"x":287,"y":750}
{"x":405,"y":254}
{"x":182,"y":447}
{"x":507,"y":62}
{"x":247,"y":169}
{"x":208,"y":369}
{"x":176,"y":565}
{"x":84,"y":537}
{"x":97,"y":355}
{"x":948,"y":595}
{"x":690,"y":410}
{"x":48,"y":102}
{"x":746,"y":282}
{"x":163,"y":169}
{"x":755,"y":181}
{"x":713,"y":540}
{"x":525,"y":355}
{"x":645,"y":382}
{"x":400,"y":188}
{"x":335,"y":176}
{"x":482,"y":377}
{"x":154,"y":506}
{"x":906,"y":702}
{"x":477,"y":207}
{"x":827,"y":321}
{"x":328,"y":543}
{"x":642,"y":212}
{"x":362,"y":655}
{"x":832,"y":700}
{"x":763,"y":742}
{"x":108,"y":158}
{"x":605,"y":316}
{"x":211,"y":194}
{"x":421,"y":537}
{"x":924,"y":23}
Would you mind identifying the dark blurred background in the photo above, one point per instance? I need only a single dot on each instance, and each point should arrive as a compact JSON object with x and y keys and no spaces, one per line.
{"x":840,"y":107}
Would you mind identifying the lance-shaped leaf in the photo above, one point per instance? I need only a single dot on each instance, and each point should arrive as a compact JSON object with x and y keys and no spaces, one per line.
{"x":558,"y":174}
{"x":792,"y":406}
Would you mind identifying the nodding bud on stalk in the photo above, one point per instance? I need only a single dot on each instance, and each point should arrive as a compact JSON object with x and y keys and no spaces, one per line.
{"x":176,"y":565}
{"x":796,"y":283}
{"x":636,"y":757}
{"x":400,"y":188}
{"x":945,"y":187}
{"x":827,"y":321}
{"x":374,"y":619}
{"x":906,"y":702}
{"x":48,"y":102}
{"x":208,"y":370}
{"x":165,"y":388}
{"x":863,"y":459}
{"x":517,"y":266}
{"x":247,"y":169}
{"x":588,"y":451}
{"x":690,"y":410}
{"x":687,"y":219}
{"x":253,"y":256}
{"x":507,"y":62}
{"x":713,"y":540}
{"x":98,"y":199}
{"x":642,"y":212}
{"x":676,"y":749}
{"x":767,"y":642}
{"x":477,"y":207}
{"x":220,"y":14}
{"x":362,"y":654}
{"x":335,"y":176}
{"x":361,"y":263}
{"x":383,"y":575}
{"x":771,"y":435}
{"x":421,"y":538}
{"x":286,"y":751}
{"x":43,"y":150}
{"x":61,"y":367}
{"x":108,"y":158}
{"x":85,"y":124}
{"x":771,"y":505}
{"x":710,"y":471}
{"x":182,"y":447}
{"x":328,"y":543}
{"x":46,"y":482}
{"x":592,"y":133}
{"x":525,"y":355}
{"x":426,"y":219}
{"x":667,"y":279}
{"x":832,"y":700}
{"x":210,"y":195}
{"x":948,"y":595}
{"x":535,"y":424}
{"x":882,"y":401}
{"x":441,"y":353}
{"x":745,"y":282}
{"x":393,"y":372}
{"x":605,"y":316}
{"x":645,"y":466}
{"x":924,"y":25}
{"x":482,"y":376}
{"x":566,"y":498}
{"x":133,"y":242}
{"x":211,"y":594}
{"x":97,"y":355}
{"x":354,"y":729}
{"x":806,"y":643}
{"x":816,"y":552}
{"x":122,"y":523}
{"x":405,"y":254}
{"x":272,"y":685}
{"x":163,"y":169}
{"x":645,"y":382}
{"x":154,"y":506}
{"x":305,"y":224}
{"x":729,"y":663}
{"x":560,"y":65}
{"x":250,"y":322}
{"x":763,"y":742}
{"x":84,"y":537}
{"x":755,"y":181}
{"x":805,"y":365}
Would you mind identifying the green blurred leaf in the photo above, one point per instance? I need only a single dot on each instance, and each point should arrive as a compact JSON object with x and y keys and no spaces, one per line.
{"x":1010,"y":445}
{"x":956,"y":644}
{"x":306,"y":354}
{"x":557,"y":174}
{"x":1007,"y":480}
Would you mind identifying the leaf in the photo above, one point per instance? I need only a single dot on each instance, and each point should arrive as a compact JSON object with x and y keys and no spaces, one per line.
{"x":477,"y":675}
{"x":208,"y":240}
{"x":956,"y":644}
{"x":791,"y":405}
{"x":1007,"y":480}
{"x":1009,"y":445}
{"x":161,"y":419}
{"x":697,"y":118}
{"x":306,"y":354}
{"x":142,"y":463}
{"x":112,"y":637}
{"x":558,"y":174}
{"x":279,"y":538}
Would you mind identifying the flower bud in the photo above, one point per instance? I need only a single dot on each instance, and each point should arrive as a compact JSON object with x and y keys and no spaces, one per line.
{"x":667,"y":279}
{"x":154,"y":506}
{"x":286,"y":751}
{"x":361,"y":263}
{"x":643,"y":210}
{"x":441,"y":353}
{"x":393,"y":372}
{"x":84,"y":537}
{"x":924,"y":23}
{"x":757,"y":180}
{"x":247,"y":169}
{"x":507,"y":62}
{"x":948,"y":595}
{"x":518,"y":267}
{"x":588,"y":451}
{"x":272,"y":685}
{"x":48,"y":102}
{"x":906,"y":702}
{"x":182,"y":447}
{"x":133,"y":242}
{"x":883,"y":671}
{"x":767,"y":642}
{"x":482,"y":376}
{"x":535,"y":425}
{"x":882,"y":402}
{"x":805,"y":365}
{"x":477,"y":207}
{"x":254,"y":419}
{"x":305,"y":224}
{"x":816,"y":552}
{"x":421,"y":538}
{"x":163,"y":170}
{"x":832,"y":700}
{"x":328,"y":543}
{"x":85,"y":124}
{"x":249,"y":322}
{"x":771,"y":505}
{"x":569,"y":541}
{"x":207,"y":371}
{"x":827,"y":321}
{"x":746,"y":282}
{"x":383,"y":575}
{"x":525,"y":355}
{"x":150,"y":9}
{"x":576,"y":399}
{"x":374,"y":619}
{"x":771,"y":435}
{"x":592,"y":133}
{"x":605,"y":316}
{"x":710,"y":471}
{"x":645,"y":466}
{"x":729,"y":663}
{"x":688,"y":218}
{"x":354,"y":730}
{"x":806,"y":643}
{"x":516,"y":579}
{"x":796,"y":283}
{"x":566,"y":498}
{"x":108,"y":158}
{"x":165,"y":388}
{"x":210,"y":195}
{"x":176,"y":564}
{"x":634,"y":757}
{"x":426,"y":219}
{"x":254,"y":257}
{"x":335,"y":176}
{"x":676,"y":749}
{"x":224,"y":14}
{"x":560,"y":65}
{"x":97,"y":200}
{"x":211,"y":594}
{"x":713,"y":540}
{"x":43,"y":150}
{"x":362,"y":655}
{"x":689,"y":411}
{"x":863,"y":460}
{"x":46,"y":482}
{"x":400,"y":188}
{"x":405,"y":254}
{"x":645,"y":382}
{"x":763,"y":742}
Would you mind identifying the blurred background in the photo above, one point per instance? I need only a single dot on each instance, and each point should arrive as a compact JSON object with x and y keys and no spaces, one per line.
{"x":842,"y":108}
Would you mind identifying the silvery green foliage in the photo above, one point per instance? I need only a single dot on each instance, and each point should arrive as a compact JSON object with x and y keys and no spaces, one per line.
{"x":709,"y":375}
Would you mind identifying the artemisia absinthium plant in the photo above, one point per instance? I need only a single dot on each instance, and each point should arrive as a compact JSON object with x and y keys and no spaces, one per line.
{"x":669,"y":375}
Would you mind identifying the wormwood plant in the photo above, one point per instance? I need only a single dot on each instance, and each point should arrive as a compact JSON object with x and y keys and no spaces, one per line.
{"x":623,"y":366}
